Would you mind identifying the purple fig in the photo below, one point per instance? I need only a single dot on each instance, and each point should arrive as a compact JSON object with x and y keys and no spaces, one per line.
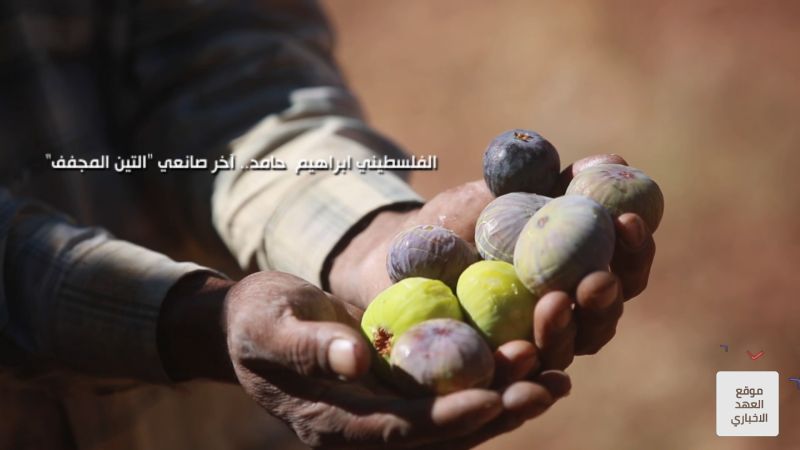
{"x":582,"y":164}
{"x":567,"y":239}
{"x":429,"y":251}
{"x":441,"y":356}
{"x":520,"y":161}
{"x":621,"y":189}
{"x":501,"y":222}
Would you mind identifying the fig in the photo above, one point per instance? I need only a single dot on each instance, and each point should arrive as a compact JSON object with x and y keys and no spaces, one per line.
{"x":575,"y":168}
{"x":429,"y":251}
{"x":565,"y":240}
{"x":621,"y":189}
{"x":520,"y":161}
{"x":501,"y":222}
{"x":496,"y":302}
{"x":403,"y":305}
{"x":441,"y":356}
{"x":591,"y":161}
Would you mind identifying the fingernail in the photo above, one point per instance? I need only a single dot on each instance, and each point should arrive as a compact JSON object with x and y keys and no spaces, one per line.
{"x":638,"y":235}
{"x":342,"y":358}
{"x":515,"y":401}
{"x":609,"y":294}
{"x":556,"y":382}
{"x":564,"y":318}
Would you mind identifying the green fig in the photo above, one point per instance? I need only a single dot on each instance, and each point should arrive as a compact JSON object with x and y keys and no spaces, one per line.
{"x":496,"y":302}
{"x":567,"y":239}
{"x":403,"y":305}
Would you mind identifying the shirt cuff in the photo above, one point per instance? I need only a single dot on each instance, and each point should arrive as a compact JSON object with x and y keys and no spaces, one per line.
{"x":108,"y":309}
{"x":87,"y":301}
{"x":314,"y":222}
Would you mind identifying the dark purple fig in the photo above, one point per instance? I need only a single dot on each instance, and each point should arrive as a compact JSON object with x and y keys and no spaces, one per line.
{"x":429,"y":251}
{"x":441,"y":356}
{"x":570,"y":237}
{"x":501,"y":222}
{"x":621,"y":189}
{"x":520,"y":161}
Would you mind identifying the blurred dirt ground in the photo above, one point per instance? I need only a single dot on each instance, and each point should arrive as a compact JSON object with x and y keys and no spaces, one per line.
{"x":702,"y":95}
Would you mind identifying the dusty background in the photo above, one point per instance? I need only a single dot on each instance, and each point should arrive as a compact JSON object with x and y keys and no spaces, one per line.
{"x":704,"y":96}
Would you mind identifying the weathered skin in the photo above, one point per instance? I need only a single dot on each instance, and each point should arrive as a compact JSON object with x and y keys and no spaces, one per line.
{"x":441,"y":356}
{"x":429,"y":251}
{"x":621,"y":189}
{"x":567,"y":239}
{"x":501,"y":222}
{"x":403,"y":305}
{"x":520,"y":161}
{"x":496,"y":302}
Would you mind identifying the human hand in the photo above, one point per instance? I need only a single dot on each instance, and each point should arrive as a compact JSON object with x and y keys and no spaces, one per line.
{"x":563,"y":326}
{"x":598,"y":303}
{"x":289,"y":341}
{"x":296,"y":351}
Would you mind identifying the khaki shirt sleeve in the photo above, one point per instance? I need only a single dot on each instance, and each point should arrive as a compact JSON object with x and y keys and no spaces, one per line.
{"x":258,"y":80}
{"x":291,"y":221}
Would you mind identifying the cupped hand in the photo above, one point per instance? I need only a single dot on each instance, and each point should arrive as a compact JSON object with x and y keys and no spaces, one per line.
{"x":296,"y":350}
{"x":563,"y":326}
{"x":597,"y":305}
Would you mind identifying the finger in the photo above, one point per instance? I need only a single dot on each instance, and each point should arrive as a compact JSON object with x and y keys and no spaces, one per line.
{"x":310,"y":349}
{"x":598,"y":308}
{"x":633,"y":254}
{"x":522,"y":402}
{"x":527,"y":400}
{"x":392,"y":422}
{"x":554,"y":330}
{"x":514,"y":361}
{"x":566,"y":175}
{"x":557,"y":382}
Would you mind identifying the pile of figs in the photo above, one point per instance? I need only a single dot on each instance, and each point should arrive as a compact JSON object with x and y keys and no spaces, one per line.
{"x":452,"y":304}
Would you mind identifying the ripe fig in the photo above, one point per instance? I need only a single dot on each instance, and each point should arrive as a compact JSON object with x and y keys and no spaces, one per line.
{"x":520,"y":161}
{"x":441,"y":356}
{"x":575,"y":168}
{"x":621,"y":189}
{"x":429,"y":251}
{"x":501,"y":222}
{"x":403,"y":305}
{"x":496,"y":302}
{"x":594,"y":160}
{"x":564,"y":241}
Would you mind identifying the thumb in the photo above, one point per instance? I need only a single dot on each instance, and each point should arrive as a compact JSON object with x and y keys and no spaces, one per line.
{"x":321,"y":348}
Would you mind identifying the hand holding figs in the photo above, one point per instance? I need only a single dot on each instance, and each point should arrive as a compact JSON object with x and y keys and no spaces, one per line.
{"x":531,"y":246}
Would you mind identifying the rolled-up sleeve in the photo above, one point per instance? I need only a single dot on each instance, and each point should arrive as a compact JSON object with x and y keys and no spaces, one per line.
{"x":292,"y":222}
{"x":259,"y":80}
{"x":76,"y":297}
